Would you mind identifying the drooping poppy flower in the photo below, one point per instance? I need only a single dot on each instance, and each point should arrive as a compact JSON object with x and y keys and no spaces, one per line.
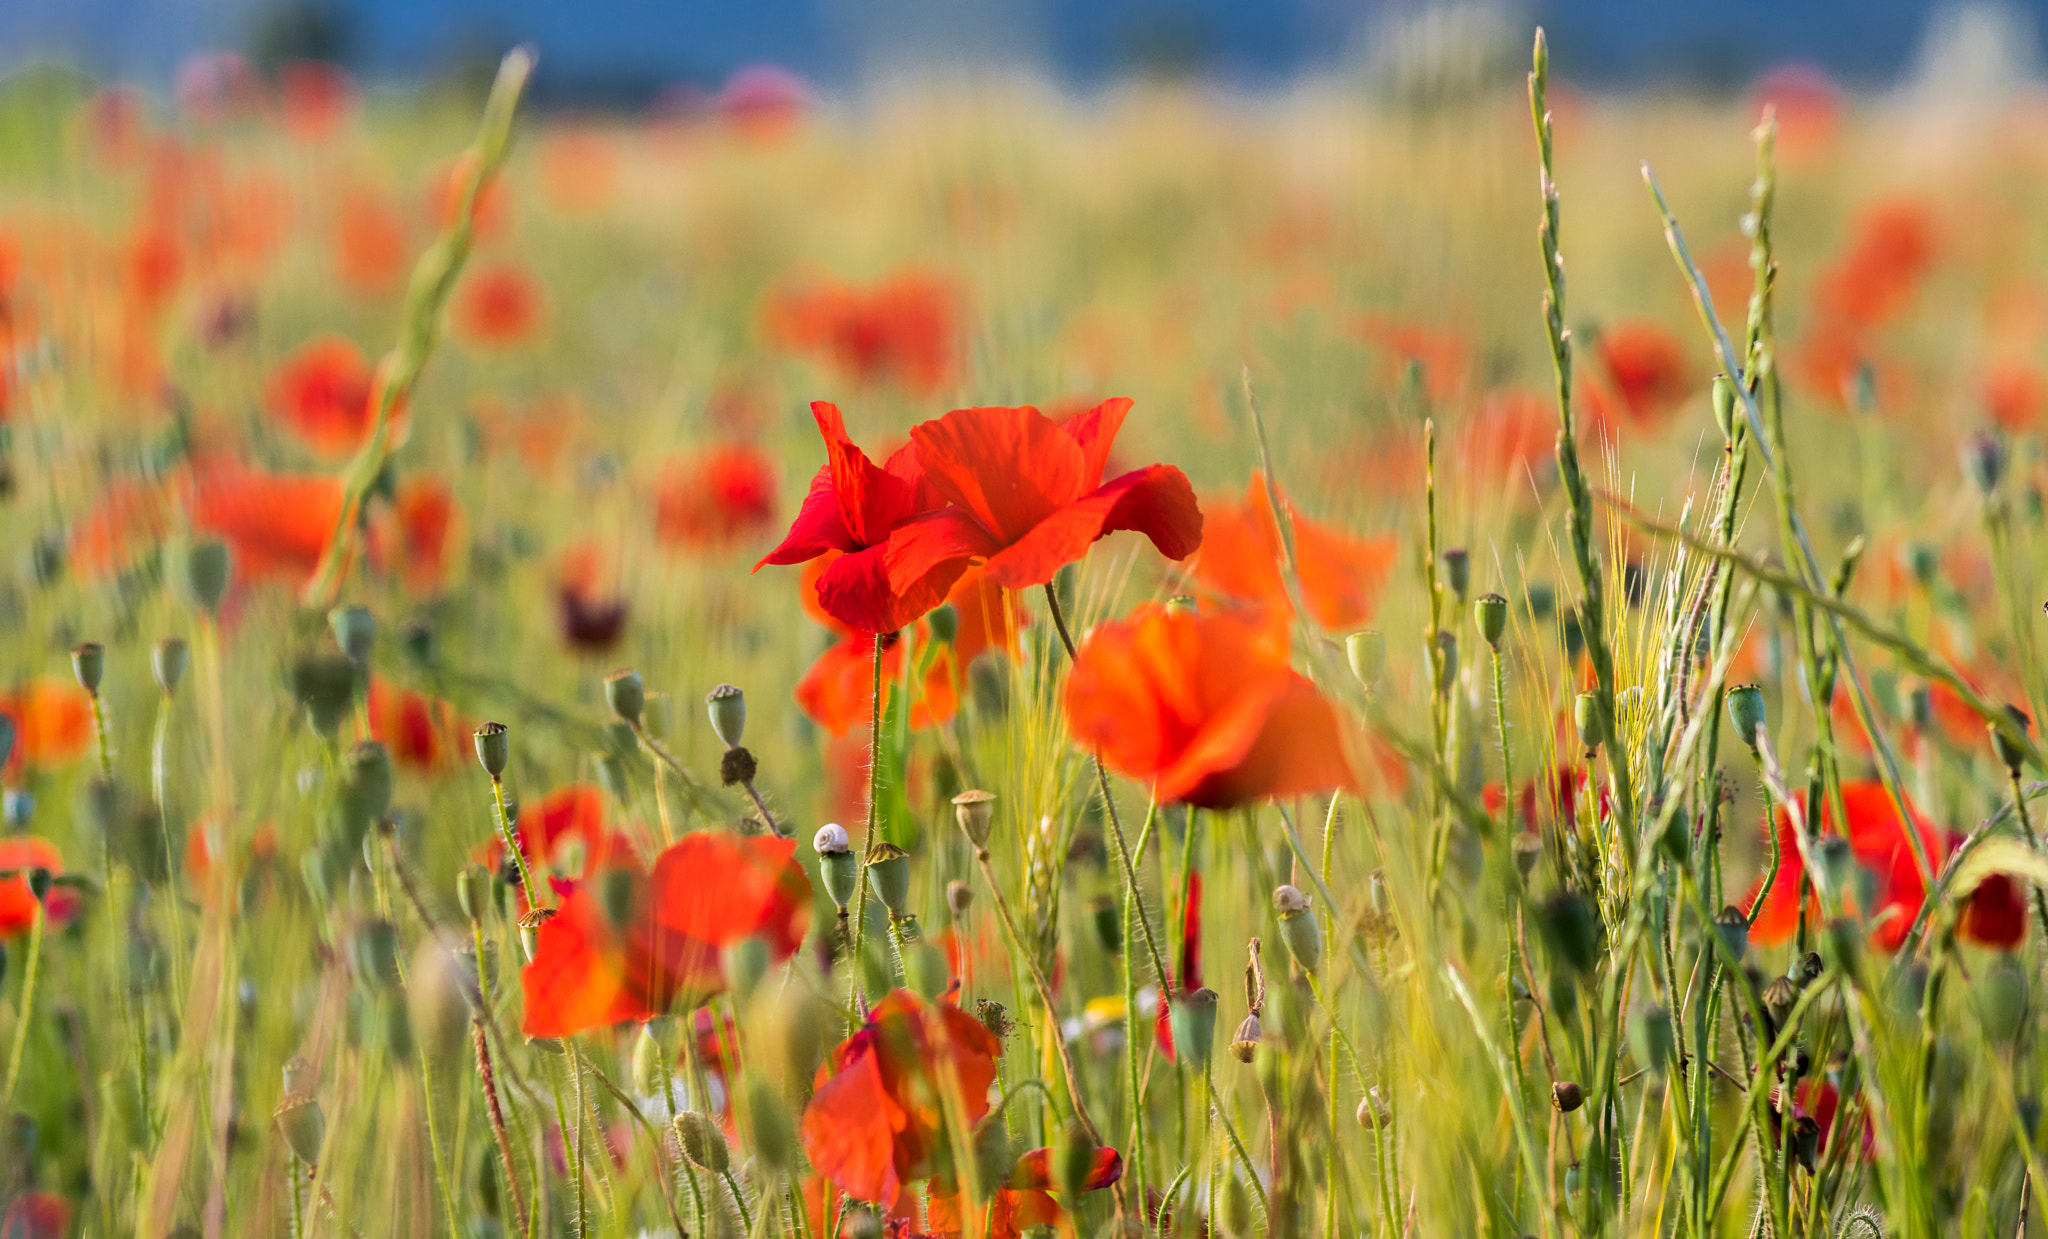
{"x":277,"y":524}
{"x":369,"y":243}
{"x":498,"y":307}
{"x":1646,"y":364}
{"x":877,"y":1120}
{"x":323,"y":391}
{"x":1205,"y":708}
{"x":630,"y":944}
{"x":52,"y":723}
{"x":19,"y":855}
{"x":1029,"y":497}
{"x":1024,"y":1201}
{"x":1994,"y":916}
{"x":420,"y":732}
{"x":853,"y":507}
{"x":315,"y":99}
{"x":902,"y":330}
{"x":36,"y":1215}
{"x":1241,"y":557}
{"x":715,"y":498}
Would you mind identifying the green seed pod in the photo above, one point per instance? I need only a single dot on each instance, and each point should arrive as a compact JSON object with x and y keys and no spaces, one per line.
{"x":366,"y":782}
{"x":494,"y":748}
{"x":208,"y":567}
{"x":473,"y":893}
{"x":89,"y":663}
{"x":1457,"y":571}
{"x":626,"y":695}
{"x":1586,"y":717}
{"x":1299,"y":928}
{"x":1746,"y":712}
{"x":1245,"y":1042}
{"x":167,"y":662}
{"x":2010,"y":754}
{"x":1724,"y":407}
{"x":1490,"y":612}
{"x":1367,"y":654}
{"x":1650,"y":1036}
{"x":976,"y":812}
{"x":1106,"y":919}
{"x":1919,"y":705}
{"x":772,"y":1130}
{"x":889,"y":876}
{"x":355,"y":631}
{"x":1193,"y":1020}
{"x":1733,"y":927}
{"x":703,"y":1143}
{"x":1923,"y":561}
{"x":925,"y":968}
{"x":746,"y":963}
{"x":1779,"y":996}
{"x":944,"y":622}
{"x":1527,"y":849}
{"x":304,"y":1127}
{"x":1570,"y":929}
{"x":728,"y":708}
{"x":1567,"y":1096}
{"x":1236,"y":1208}
{"x":373,"y":950}
{"x":837,"y":868}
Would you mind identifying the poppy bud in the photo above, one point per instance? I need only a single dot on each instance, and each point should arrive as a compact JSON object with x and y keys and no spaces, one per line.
{"x":395,"y":1023}
{"x":366,"y":781}
{"x":1446,"y":661}
{"x":1236,"y":1207}
{"x":494,"y":748}
{"x":1571,"y":929}
{"x":728,"y":709}
{"x":303,"y":1125}
{"x":959,"y":897}
{"x":1246,"y":1041}
{"x":1491,"y":614}
{"x":703,"y":1143}
{"x":1733,"y":927}
{"x":925,"y":967}
{"x":167,"y":662}
{"x":373,"y":949}
{"x":1746,"y":712}
{"x":976,"y":812}
{"x":889,"y":876}
{"x":1567,"y":1096}
{"x":1376,"y":891}
{"x":417,"y":638}
{"x":208,"y":565}
{"x":646,"y":1062}
{"x":945,"y":623}
{"x":89,"y":663}
{"x":2010,"y":754}
{"x":355,"y":631}
{"x":1373,"y":1111}
{"x":39,"y":880}
{"x":1724,"y":407}
{"x":773,"y":1133}
{"x":1650,"y":1035}
{"x":1457,"y":571}
{"x":1810,"y":968}
{"x":1298,"y":927}
{"x":746,"y":962}
{"x":1586,"y":717}
{"x":473,"y":891}
{"x":1984,"y":461}
{"x":1106,"y":920}
{"x":1193,"y":1020}
{"x":626,"y":695}
{"x":1367,"y":654}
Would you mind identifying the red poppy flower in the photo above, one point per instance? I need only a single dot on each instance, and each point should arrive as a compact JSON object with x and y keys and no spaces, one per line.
{"x":52,"y":723}
{"x":126,"y":516}
{"x":1646,"y":364}
{"x":1205,"y":707}
{"x":155,"y":267}
{"x":1514,"y":435}
{"x":422,"y":514}
{"x":716,"y":498}
{"x":565,"y":834}
{"x":628,"y":944}
{"x":901,"y":330}
{"x":1994,"y":916}
{"x":2014,"y":395}
{"x":1190,"y":978}
{"x":591,"y":622}
{"x":877,"y":1120}
{"x":1891,"y":248}
{"x":1562,"y":795}
{"x":1025,"y":1201}
{"x":579,"y":170}
{"x":369,"y":244}
{"x":323,"y":392}
{"x":215,"y":87}
{"x":314,"y":99}
{"x":278,"y":524}
{"x":763,"y":103}
{"x":1029,"y":497}
{"x":498,"y":307}
{"x":1821,"y":1101}
{"x":853,"y":507}
{"x":1808,"y":107}
{"x":837,"y":692}
{"x":37,"y":1215}
{"x":1340,"y":575}
{"x":493,"y":201}
{"x":19,"y":854}
{"x":420,"y":732}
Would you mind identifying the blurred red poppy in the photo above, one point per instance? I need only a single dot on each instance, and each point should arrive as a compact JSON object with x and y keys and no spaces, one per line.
{"x":1513,"y":436}
{"x":277,"y":524}
{"x":1808,"y":106}
{"x":216,"y":87}
{"x":493,"y":201}
{"x":155,"y":266}
{"x":424,"y":513}
{"x":498,"y":307}
{"x":369,"y":243}
{"x":52,"y":723}
{"x":1340,"y":575}
{"x":1024,"y":1201}
{"x":877,"y":1121}
{"x":127,"y":516}
{"x":837,"y":692}
{"x":1646,"y":364}
{"x":19,"y":855}
{"x":1205,"y":707}
{"x":629,"y":944}
{"x":1029,"y":497}
{"x":1443,"y":357}
{"x":1891,"y":248}
{"x":420,"y":732}
{"x":1561,"y":796}
{"x":1190,"y":977}
{"x":323,"y":391}
{"x":763,"y":103}
{"x":579,"y":169}
{"x":1994,"y":915}
{"x":315,"y":99}
{"x":853,"y":507}
{"x":901,"y":330}
{"x":2013,"y":394}
{"x":591,"y":622}
{"x":715,"y":498}
{"x":37,"y":1215}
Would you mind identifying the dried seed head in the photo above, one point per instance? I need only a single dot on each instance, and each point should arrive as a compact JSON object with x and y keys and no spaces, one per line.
{"x":1567,"y":1096}
{"x":355,"y":632}
{"x":494,"y":748}
{"x":889,"y":876}
{"x":737,"y":766}
{"x":626,"y":694}
{"x":89,"y":663}
{"x":959,"y":897}
{"x":976,"y":811}
{"x":1245,"y":1042}
{"x":995,"y":1017}
{"x":1491,"y":614}
{"x":1779,"y":996}
{"x":167,"y":662}
{"x":728,"y":709}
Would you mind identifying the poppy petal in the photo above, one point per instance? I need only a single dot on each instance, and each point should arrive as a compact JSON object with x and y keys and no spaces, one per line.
{"x":849,"y":1132}
{"x":1156,"y":501}
{"x":819,"y":527}
{"x":857,"y":591}
{"x":718,"y":887}
{"x":1010,"y":468}
{"x":1095,"y":430}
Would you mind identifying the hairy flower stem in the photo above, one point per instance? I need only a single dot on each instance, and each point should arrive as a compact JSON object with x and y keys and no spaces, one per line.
{"x":856,"y":999}
{"x":1116,"y":826}
{"x":1131,"y":1037}
{"x":1244,"y":1159}
{"x":512,"y":845}
{"x":28,"y":1007}
{"x":497,"y":1113}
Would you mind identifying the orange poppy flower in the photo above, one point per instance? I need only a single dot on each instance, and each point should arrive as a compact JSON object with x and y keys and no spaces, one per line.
{"x":126,"y":516}
{"x":314,"y":99}
{"x":420,"y":732}
{"x":1995,"y":914}
{"x":498,"y":307}
{"x":424,"y":513}
{"x":1029,"y":497}
{"x":2013,"y":394}
{"x":901,"y":330}
{"x":1891,"y":248}
{"x":1808,"y":106}
{"x":876,"y":1121}
{"x":1205,"y":707}
{"x":1025,"y":1201}
{"x":277,"y":524}
{"x":20,"y":854}
{"x":52,"y":723}
{"x":155,"y":265}
{"x":716,"y":498}
{"x":579,"y":170}
{"x":630,"y":944}
{"x":1340,"y":575}
{"x":1646,"y":364}
{"x":323,"y":392}
{"x":369,"y":244}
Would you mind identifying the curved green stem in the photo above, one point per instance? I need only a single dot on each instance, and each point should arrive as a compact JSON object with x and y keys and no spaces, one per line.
{"x":28,"y":1008}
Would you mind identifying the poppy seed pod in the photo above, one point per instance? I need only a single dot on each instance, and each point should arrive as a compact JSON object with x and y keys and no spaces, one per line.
{"x":703,"y":1143}
{"x":1923,"y":561}
{"x":976,"y":812}
{"x":728,"y":709}
{"x":1984,"y":461}
{"x":167,"y":662}
{"x":959,"y":897}
{"x":1724,"y":407}
{"x":1527,"y":849}
{"x":1746,"y":712}
{"x":494,"y":748}
{"x":1733,"y":927}
{"x":1457,"y":571}
{"x":1779,"y":996}
{"x":1586,"y":717}
{"x":1367,"y":653}
{"x":626,"y":695}
{"x":1490,"y":612}
{"x":473,"y":891}
{"x":303,"y":1126}
{"x":1446,"y":661}
{"x":2010,"y":754}
{"x":1246,"y":1041}
{"x":355,"y":631}
{"x":89,"y":663}
{"x":837,"y":867}
{"x":1193,"y":1021}
{"x":1919,"y":705}
{"x":1567,"y":1096}
{"x":944,"y":622}
{"x":889,"y":876}
{"x":208,"y":566}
